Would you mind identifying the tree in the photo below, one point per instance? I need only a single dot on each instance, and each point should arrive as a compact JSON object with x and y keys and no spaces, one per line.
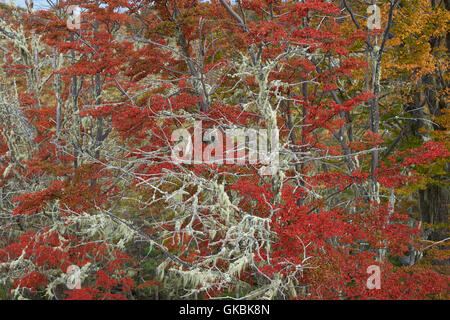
{"x":96,"y":184}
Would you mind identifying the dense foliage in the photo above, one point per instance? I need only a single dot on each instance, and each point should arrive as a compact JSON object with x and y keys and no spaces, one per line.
{"x":87,"y":117}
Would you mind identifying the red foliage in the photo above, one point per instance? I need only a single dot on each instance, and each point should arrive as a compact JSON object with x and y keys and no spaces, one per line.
{"x":331,"y":235}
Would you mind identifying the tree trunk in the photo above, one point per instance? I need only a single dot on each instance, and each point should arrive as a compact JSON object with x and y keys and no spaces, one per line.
{"x":434,"y":202}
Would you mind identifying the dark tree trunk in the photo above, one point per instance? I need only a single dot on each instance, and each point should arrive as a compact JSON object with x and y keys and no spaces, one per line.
{"x":434,"y":202}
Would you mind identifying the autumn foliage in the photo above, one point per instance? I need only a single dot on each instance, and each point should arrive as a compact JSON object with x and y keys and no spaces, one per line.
{"x":87,"y":177}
